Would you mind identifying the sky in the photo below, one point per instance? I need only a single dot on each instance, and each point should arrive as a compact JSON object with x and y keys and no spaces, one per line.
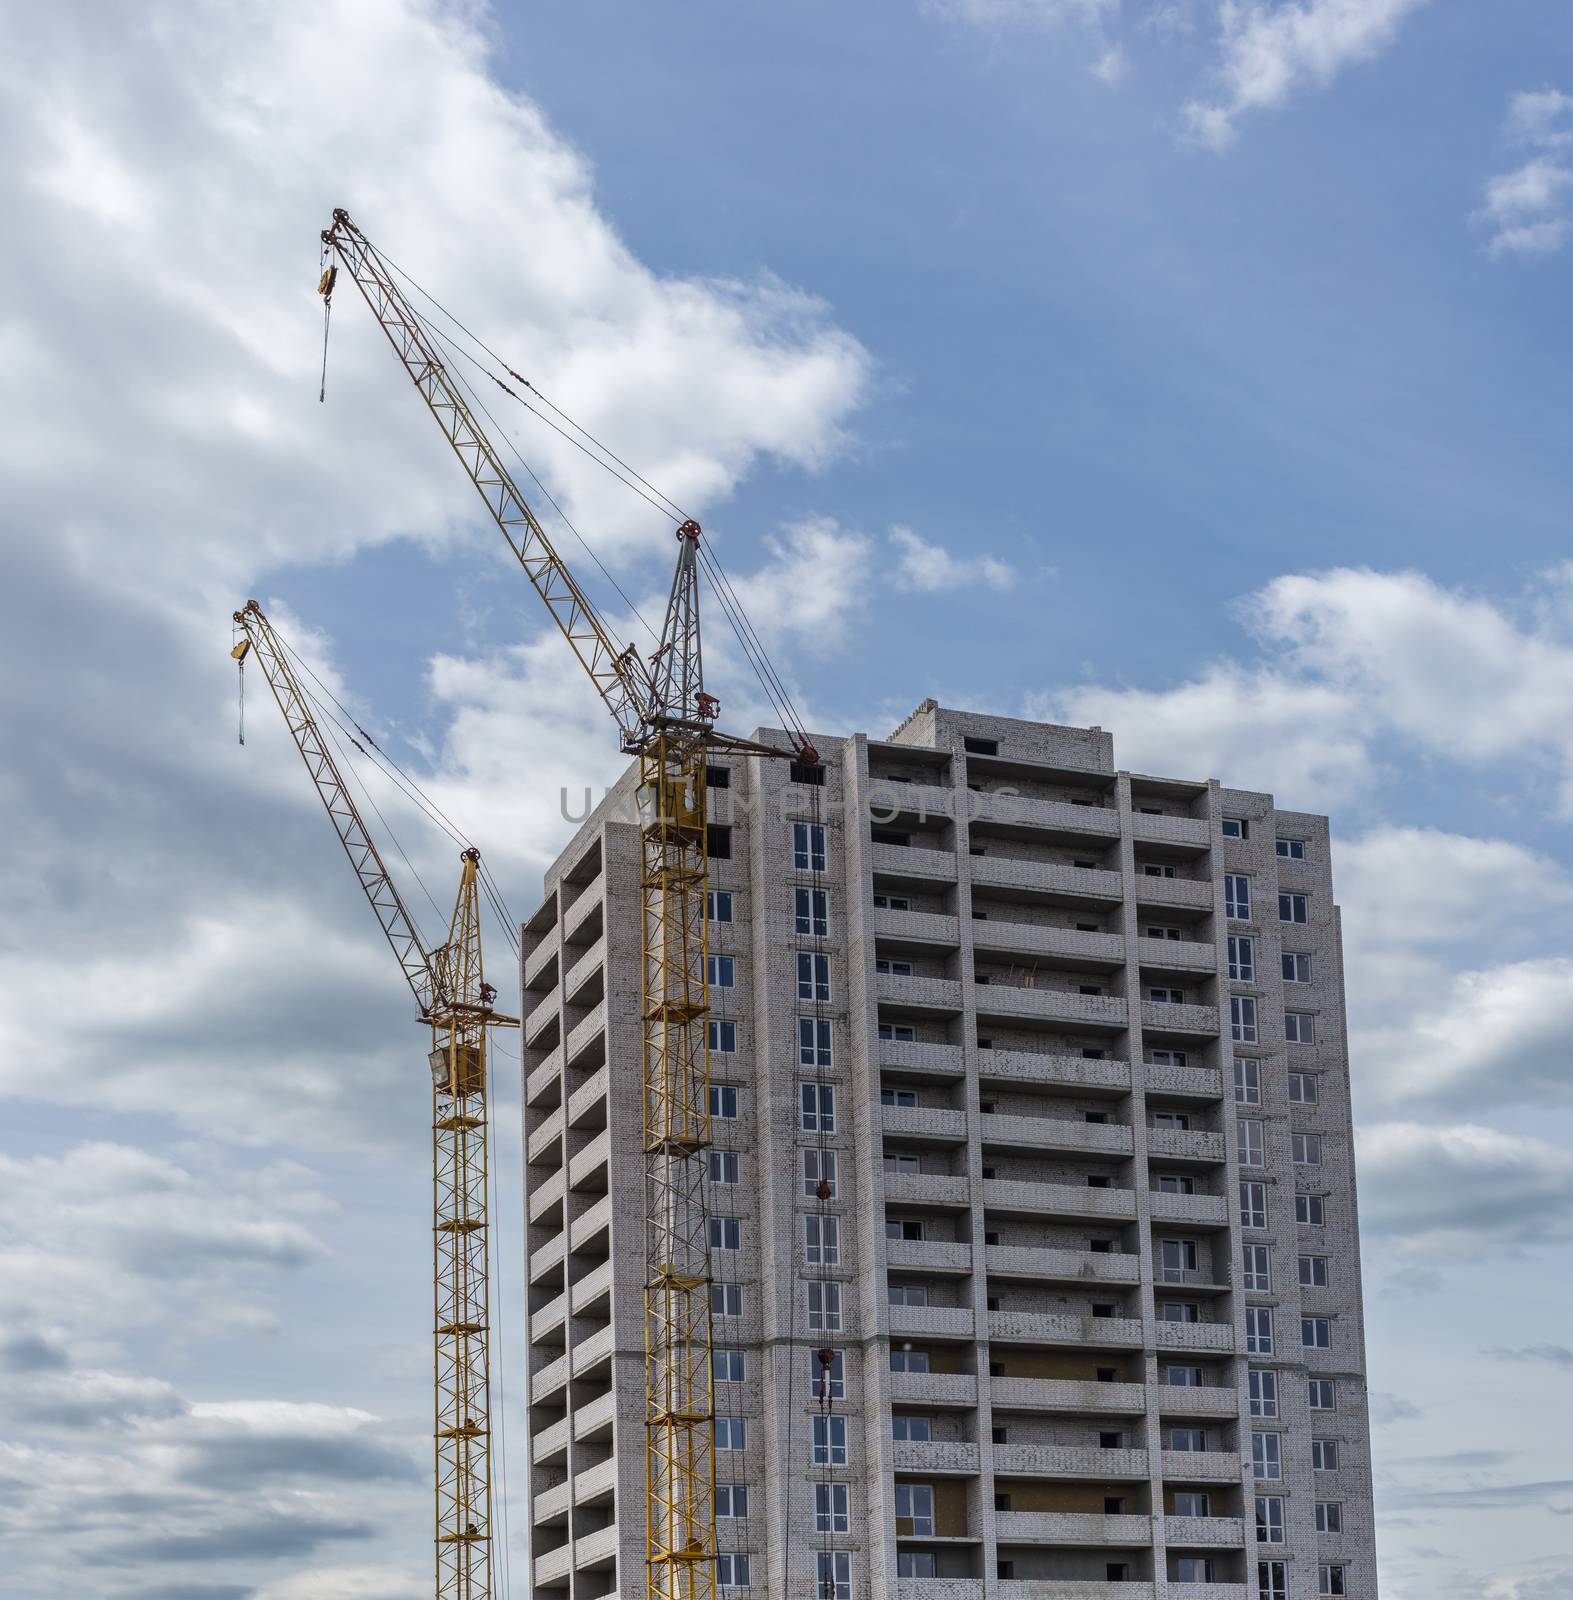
{"x":1197,"y":368}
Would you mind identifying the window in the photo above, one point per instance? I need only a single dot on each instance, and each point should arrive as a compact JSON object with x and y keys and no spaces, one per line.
{"x":1248,"y":1082}
{"x":832,"y":1378}
{"x":1266,"y":1456}
{"x":904,"y":1228}
{"x":897,"y":1032}
{"x":1250,"y":1142}
{"x":720,"y":972}
{"x":1157,"y":932}
{"x":1179,"y":1120}
{"x":1193,"y":1569}
{"x":1297,"y":968}
{"x":1307,"y":1148}
{"x":1192,"y":1504}
{"x":1176,"y":1258}
{"x":813,"y":912}
{"x":1324,"y":1455}
{"x":819,"y":1166}
{"x":721,"y":1166}
{"x":1330,"y":1578}
{"x":731,"y":1572}
{"x":731,"y":1433}
{"x":892,"y":902}
{"x":1323,"y":1394}
{"x":718,"y":905}
{"x":1177,"y":1311}
{"x":915,"y":1564}
{"x":1310,"y":1209}
{"x":718,"y":841}
{"x":1303,"y":1089}
{"x":1237,"y":896}
{"x":1264,"y":1393}
{"x":1151,"y":869}
{"x":1329,"y":1516}
{"x":1175,"y":1183}
{"x":1316,"y":1333}
{"x":907,"y":1294}
{"x":726,"y":1233}
{"x":805,"y":772}
{"x":817,"y":1103}
{"x":1272,"y":1580}
{"x":1258,"y":1269}
{"x":898,"y":969}
{"x":1242,"y":1019}
{"x":1291,"y":849}
{"x":1313,"y":1272}
{"x":1160,"y":997}
{"x":808,"y":847}
{"x":1236,"y":828}
{"x":1242,"y":958}
{"x":830,"y":1442}
{"x":916,"y":1430}
{"x":813,"y":1041}
{"x":728,"y":1366}
{"x":903,"y":1163}
{"x":904,"y":1360}
{"x":1186,"y":1439}
{"x":1253,"y":1205}
{"x":1293,"y":908}
{"x":824,"y":1307}
{"x":813,"y":976}
{"x":723,"y":1101}
{"x":1167,"y":1058}
{"x":1258,"y":1330}
{"x":980,"y":747}
{"x":1270,"y":1518}
{"x":903,"y":1098}
{"x":822,"y":1241}
{"x":1299,"y":1027}
{"x":831,"y":1511}
{"x":833,"y":1575}
{"x":722,"y":1038}
{"x":726,"y":1299}
{"x":731,"y":1500}
{"x":1183,"y":1377}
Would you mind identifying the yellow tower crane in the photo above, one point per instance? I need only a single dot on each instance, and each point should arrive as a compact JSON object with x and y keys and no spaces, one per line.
{"x":665,"y":718}
{"x":455,"y":1001}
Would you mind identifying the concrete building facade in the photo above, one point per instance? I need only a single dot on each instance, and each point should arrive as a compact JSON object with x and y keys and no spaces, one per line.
{"x":1031,"y":1097}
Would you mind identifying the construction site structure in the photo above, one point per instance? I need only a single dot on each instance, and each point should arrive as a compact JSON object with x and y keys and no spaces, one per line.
{"x":1087,"y":1271}
{"x":456,"y":1004}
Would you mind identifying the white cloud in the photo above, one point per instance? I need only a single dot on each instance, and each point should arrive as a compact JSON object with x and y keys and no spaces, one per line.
{"x":1272,"y":51}
{"x":1022,"y":13}
{"x":1111,"y":66}
{"x":1526,"y":210}
{"x":931,"y":567}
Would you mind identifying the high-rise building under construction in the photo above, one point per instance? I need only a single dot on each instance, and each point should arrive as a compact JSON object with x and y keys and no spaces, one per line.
{"x":1031,"y":1195}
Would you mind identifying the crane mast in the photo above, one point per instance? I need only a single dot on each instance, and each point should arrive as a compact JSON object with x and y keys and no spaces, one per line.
{"x":664,"y":716}
{"x":455,"y":1001}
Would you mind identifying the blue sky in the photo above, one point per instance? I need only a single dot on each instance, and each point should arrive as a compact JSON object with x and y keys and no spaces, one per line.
{"x":1197,"y":369}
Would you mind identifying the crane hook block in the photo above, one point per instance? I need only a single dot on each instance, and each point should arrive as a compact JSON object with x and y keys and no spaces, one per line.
{"x":326,"y":282}
{"x":689,"y":530}
{"x":808,"y":755}
{"x":239,"y":652}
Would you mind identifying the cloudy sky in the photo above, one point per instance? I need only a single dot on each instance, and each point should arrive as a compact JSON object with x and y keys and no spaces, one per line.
{"x":1194,"y":367}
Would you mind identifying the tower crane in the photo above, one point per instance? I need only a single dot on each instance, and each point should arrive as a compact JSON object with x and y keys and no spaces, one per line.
{"x":455,"y":1001}
{"x":665,"y":718}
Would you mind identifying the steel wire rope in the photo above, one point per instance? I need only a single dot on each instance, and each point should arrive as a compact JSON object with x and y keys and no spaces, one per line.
{"x":495,"y":1309}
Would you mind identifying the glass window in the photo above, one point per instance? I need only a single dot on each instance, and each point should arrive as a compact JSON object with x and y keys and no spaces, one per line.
{"x":1179,"y":1311}
{"x":1167,"y":1058}
{"x":728,"y":1366}
{"x":1307,"y":1149}
{"x":1242,"y":1018}
{"x":817,"y":1105}
{"x":915,"y":1564}
{"x":1316,"y":1333}
{"x":822,"y":1241}
{"x":833,"y":1575}
{"x":726,"y":1233}
{"x":731,"y":1433}
{"x":1253,"y":1205}
{"x":1250,"y":1142}
{"x":1270,"y":1518}
{"x":1272,"y":1580}
{"x":1291,"y":849}
{"x":1175,"y":1183}
{"x":1237,"y":896}
{"x":1324,"y":1455}
{"x":824,"y":1307}
{"x":913,"y":1429}
{"x":1329,"y":1517}
{"x":1176,"y":1258}
{"x":720,"y":972}
{"x":1310,"y":1209}
{"x":813,"y":912}
{"x":1183,"y":1377}
{"x":721,"y":1038}
{"x":1186,"y":1439}
{"x":813,"y":976}
{"x":1264,"y":1392}
{"x":908,"y":1360}
{"x":718,"y":905}
{"x":897,"y":1032}
{"x":1236,"y":828}
{"x":1258,"y":1269}
{"x":1313,"y":1272}
{"x":828,"y":1383}
{"x":1299,"y":1027}
{"x":819,"y":1166}
{"x":1323,"y":1394}
{"x":1258,"y":1330}
{"x":1303,"y":1089}
{"x":1193,"y":1569}
{"x":731,"y":1572}
{"x":721,"y":1166}
{"x":1293,"y":908}
{"x":726,"y":1299}
{"x":892,"y":968}
{"x":1297,"y":967}
{"x":808,"y":847}
{"x":731,"y":1500}
{"x":1242,"y":958}
{"x":1330,"y":1579}
{"x":831,"y":1512}
{"x":830,"y":1442}
{"x":907,"y":1294}
{"x":1266,"y":1456}
{"x":892,"y":902}
{"x":1192,"y":1503}
{"x":903,"y":1098}
{"x":1248,"y":1082}
{"x":813,"y":1041}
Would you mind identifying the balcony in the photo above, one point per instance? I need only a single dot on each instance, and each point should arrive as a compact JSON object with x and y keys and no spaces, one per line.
{"x":582,"y":920}
{"x":584,"y":984}
{"x":911,"y":861}
{"x":600,"y":1548}
{"x":539,"y":959}
{"x":1213,"y":1532}
{"x":547,"y":1445}
{"x":547,"y":1258}
{"x":939,"y":1589}
{"x":1190,"y":894}
{"x":942,"y":1061}
{"x":544,"y":1146}
{"x":547,"y":1380}
{"x":949,"y":1389}
{"x":587,"y":1104}
{"x":1054,"y":1328}
{"x":1209,"y":1591}
{"x":1195,"y":1336}
{"x":939,"y":995}
{"x":592,"y":1226}
{"x":586,"y":1033}
{"x":1160,"y":1018}
{"x":1178,"y":955}
{"x":543,"y":1087}
{"x":1192,"y":1400}
{"x":1202,"y":1466}
{"x":1078,"y":1589}
{"x":1187,"y":1144}
{"x":1055,"y":1135}
{"x":930,"y":1322}
{"x":591,"y":1164}
{"x":941,"y":1458}
{"x":554,"y":1566}
{"x":594,"y":1420}
{"x":1068,"y":1394}
{"x":546,"y":1201}
{"x":540,"y":1018}
{"x":1010,"y":1002}
{"x":1038,"y":1265}
{"x":1070,"y":1528}
{"x":1192,"y":831}
{"x":1052,"y":879}
{"x":942,"y":1257}
{"x":940,"y":1189}
{"x":1020,"y":1197}
{"x":999,"y":934}
{"x":925,"y":1124}
{"x":551,"y":1316}
{"x":1199,"y":1210}
{"x":1070,"y":1461}
{"x":1182,"y":1083}
{"x":591,"y":1294}
{"x":918,"y":927}
{"x":1097,"y":823}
